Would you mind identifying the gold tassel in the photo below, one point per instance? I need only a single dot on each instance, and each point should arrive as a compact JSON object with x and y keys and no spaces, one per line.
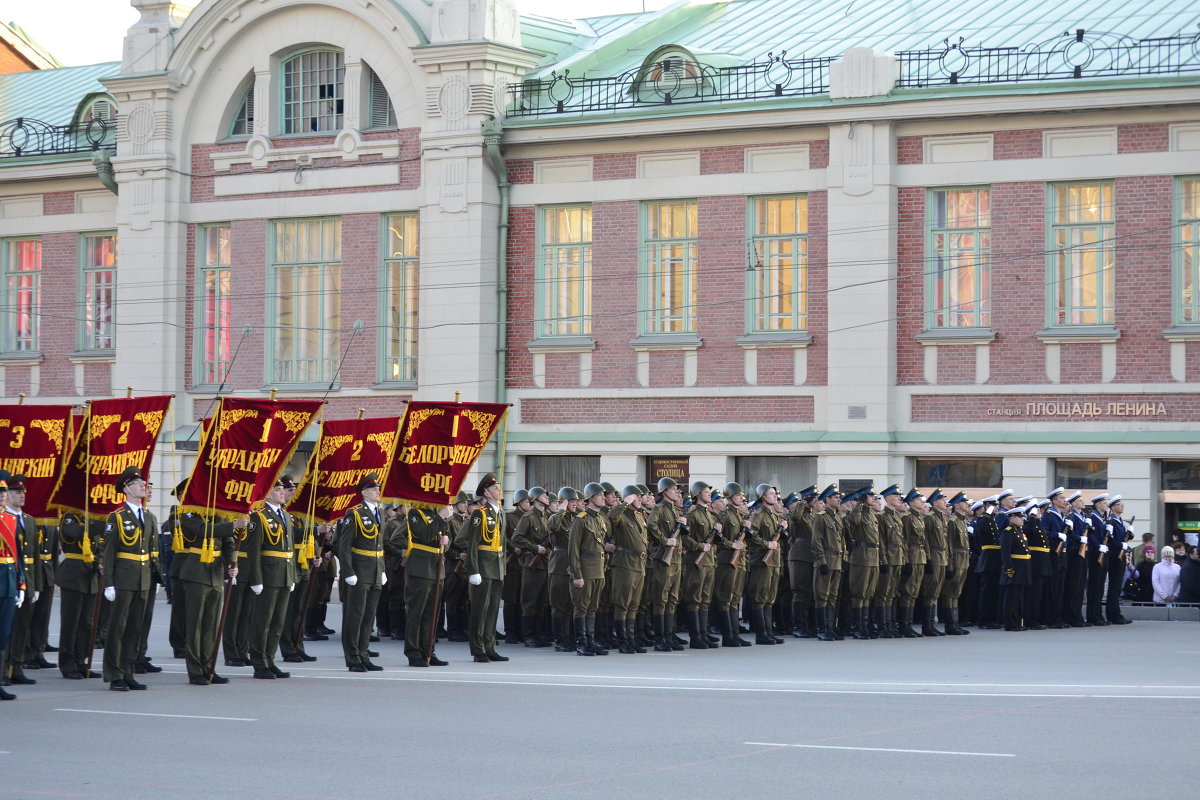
{"x":177,"y":544}
{"x":86,"y":545}
{"x":206,"y":549}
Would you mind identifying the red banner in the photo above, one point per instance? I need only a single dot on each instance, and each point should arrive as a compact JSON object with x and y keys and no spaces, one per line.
{"x":243,"y":452}
{"x":347,"y":451}
{"x":115,"y":435}
{"x":33,"y":440}
{"x":439,"y":443}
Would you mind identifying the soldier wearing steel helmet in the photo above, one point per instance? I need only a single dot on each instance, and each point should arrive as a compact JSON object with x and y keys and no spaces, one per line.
{"x":454,"y":587}
{"x":530,"y":539}
{"x":665,"y":525}
{"x":729,"y":583}
{"x":514,"y":631}
{"x":559,"y":577}
{"x":699,"y":568}
{"x":767,"y":524}
{"x":627,"y":570}
{"x":586,"y":546}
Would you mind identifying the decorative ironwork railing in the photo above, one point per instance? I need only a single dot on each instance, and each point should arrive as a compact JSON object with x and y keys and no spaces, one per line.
{"x":676,"y":80}
{"x":30,"y":137}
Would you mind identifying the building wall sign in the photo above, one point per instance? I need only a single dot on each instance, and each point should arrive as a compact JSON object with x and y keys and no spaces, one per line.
{"x":1050,"y":408}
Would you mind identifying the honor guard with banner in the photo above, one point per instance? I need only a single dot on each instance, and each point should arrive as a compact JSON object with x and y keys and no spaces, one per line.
{"x":78,"y":581}
{"x":28,"y":535}
{"x":360,"y":554}
{"x":12,"y":579}
{"x":130,"y":544}
{"x":483,"y":540}
{"x":424,"y":562}
{"x":269,"y":570}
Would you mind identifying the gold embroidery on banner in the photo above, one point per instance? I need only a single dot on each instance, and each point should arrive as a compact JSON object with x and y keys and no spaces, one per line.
{"x":419,"y":416}
{"x":53,"y":429}
{"x":98,"y":425}
{"x":481,"y":422}
{"x":330,"y":445}
{"x":152,"y":420}
{"x":232,"y":417}
{"x":384,"y":440}
{"x":294,"y":421}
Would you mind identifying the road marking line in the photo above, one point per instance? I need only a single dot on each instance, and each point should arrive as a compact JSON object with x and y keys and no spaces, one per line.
{"x":147,"y":714}
{"x":882,"y":749}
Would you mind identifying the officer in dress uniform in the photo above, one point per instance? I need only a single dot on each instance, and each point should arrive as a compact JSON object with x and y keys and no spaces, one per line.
{"x":484,"y":539}
{"x":130,"y":542}
{"x":1076,"y":551}
{"x":1015,"y":569}
{"x":270,"y":569}
{"x":291,"y":642}
{"x":12,"y":580}
{"x":1118,"y":557}
{"x":360,"y":554}
{"x":46,"y":565}
{"x":529,"y":538}
{"x":988,"y":565}
{"x":20,"y":650}
{"x":425,"y":542}
{"x":78,"y":579}
{"x":1040,"y":568}
{"x":1099,"y":530}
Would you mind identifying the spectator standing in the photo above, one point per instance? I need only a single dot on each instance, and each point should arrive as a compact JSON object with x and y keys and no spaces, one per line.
{"x":1165,"y":577}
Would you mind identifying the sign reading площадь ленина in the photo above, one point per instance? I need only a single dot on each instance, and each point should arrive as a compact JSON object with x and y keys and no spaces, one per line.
{"x":439,"y":443}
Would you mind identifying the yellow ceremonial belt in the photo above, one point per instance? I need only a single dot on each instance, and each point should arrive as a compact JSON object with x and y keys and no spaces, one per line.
{"x":1021,"y":556}
{"x":199,"y":551}
{"x":45,"y":556}
{"x":358,"y":551}
{"x":425,"y":547}
{"x":493,"y":548}
{"x":29,"y":559}
{"x":134,"y":556}
{"x":241,"y":553}
{"x":1039,"y":549}
{"x":276,"y":554}
{"x":991,"y":547}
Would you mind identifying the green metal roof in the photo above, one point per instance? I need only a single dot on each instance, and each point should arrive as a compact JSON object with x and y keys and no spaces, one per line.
{"x":51,"y":95}
{"x":752,"y":28}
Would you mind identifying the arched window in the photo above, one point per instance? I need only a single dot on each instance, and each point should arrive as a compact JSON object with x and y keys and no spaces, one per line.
{"x":97,"y":107}
{"x":313,"y":91}
{"x":380,"y":111}
{"x":243,"y":118}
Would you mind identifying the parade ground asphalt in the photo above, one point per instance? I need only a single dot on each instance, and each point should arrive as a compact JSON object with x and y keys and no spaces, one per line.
{"x":1082,"y":713}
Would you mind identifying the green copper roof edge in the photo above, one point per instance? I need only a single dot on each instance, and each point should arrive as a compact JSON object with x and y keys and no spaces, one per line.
{"x":901,"y":437}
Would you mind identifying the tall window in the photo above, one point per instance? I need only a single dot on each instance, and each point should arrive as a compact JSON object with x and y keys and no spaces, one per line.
{"x":400,"y":274}
{"x":22,"y":263}
{"x":564,"y":288}
{"x":380,"y":111}
{"x":1083,"y":272}
{"x":243,"y":120}
{"x":313,"y":89}
{"x":958,"y":278}
{"x":1188,"y":249}
{"x":308,"y":292}
{"x":669,"y":285}
{"x":212,"y":247}
{"x":779,"y":277}
{"x":99,"y":285}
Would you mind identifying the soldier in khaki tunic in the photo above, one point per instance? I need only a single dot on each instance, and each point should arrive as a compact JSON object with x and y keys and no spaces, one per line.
{"x":627,"y":572}
{"x":664,"y":526}
{"x":913,"y":527}
{"x":529,"y":538}
{"x":483,"y":539}
{"x":937,"y":558}
{"x":767,"y":524}
{"x":699,"y":566}
{"x":558,"y":590}
{"x":892,"y":560}
{"x":864,"y":558}
{"x":959,"y":546}
{"x":270,"y":571}
{"x":426,"y":537}
{"x":360,"y":554}
{"x":514,"y":629}
{"x":131,"y":541}
{"x":829,"y":554}
{"x":308,"y":560}
{"x":800,"y":563}
{"x":454,"y":588}
{"x":730,"y":581}
{"x":586,"y":547}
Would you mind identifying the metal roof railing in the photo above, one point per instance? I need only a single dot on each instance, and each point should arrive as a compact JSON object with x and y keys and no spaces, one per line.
{"x":24,"y":137}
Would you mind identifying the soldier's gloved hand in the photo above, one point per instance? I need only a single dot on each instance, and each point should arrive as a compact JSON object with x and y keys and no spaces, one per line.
{"x":475,"y":579}
{"x":110,"y":593}
{"x":1108,"y":528}
{"x":1128,"y":546}
{"x":928,"y":568}
{"x":352,"y":580}
{"x":1071,"y":524}
{"x":20,"y":597}
{"x":970,"y":529}
{"x":1103,"y":549}
{"x":823,"y":568}
{"x":258,"y":587}
{"x":906,"y":570}
{"x":291,"y":588}
{"x":35,"y":596}
{"x":1062,"y":536}
{"x":383,"y":579}
{"x":1129,"y":528}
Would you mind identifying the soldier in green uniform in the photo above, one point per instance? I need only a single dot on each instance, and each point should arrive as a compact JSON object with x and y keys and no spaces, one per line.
{"x":893,"y":558}
{"x":729,"y":583}
{"x":270,"y":570}
{"x":426,"y":540}
{"x":937,"y":555}
{"x":454,"y":587}
{"x":767,"y":524}
{"x":78,"y":582}
{"x":130,"y":542}
{"x":863,"y":559}
{"x":207,"y":556}
{"x":586,"y":546}
{"x":484,"y":539}
{"x":829,"y":555}
{"x":529,"y":538}
{"x":514,"y":630}
{"x":558,"y":591}
{"x":664,"y":526}
{"x":391,"y":617}
{"x":913,"y":573}
{"x":291,"y":642}
{"x":21,"y":653}
{"x":360,"y":554}
{"x":627,"y":571}
{"x":235,"y":638}
{"x":176,"y":636}
{"x":800,"y":563}
{"x":959,"y":560}
{"x":700,"y":566}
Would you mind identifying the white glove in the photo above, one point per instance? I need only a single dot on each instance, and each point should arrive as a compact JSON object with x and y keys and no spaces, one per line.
{"x":1128,"y":546}
{"x":291,"y":588}
{"x":110,"y":594}
{"x":20,"y":597}
{"x":156,"y":588}
{"x":970,"y":529}
{"x":475,"y":579}
{"x":1130,"y":529}
{"x":352,"y":580}
{"x":1062,"y":536}
{"x":383,"y":579}
{"x":257,"y":588}
{"x":1103,"y":548}
{"x":1108,"y":528}
{"x":1071,"y":524}
{"x":36,"y":595}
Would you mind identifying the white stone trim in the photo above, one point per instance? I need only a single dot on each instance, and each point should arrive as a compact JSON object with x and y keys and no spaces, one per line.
{"x":1185,"y":136}
{"x":1039,"y":169}
{"x":719,"y":185}
{"x":21,"y":206}
{"x":783,"y":158}
{"x":1079,"y":142}
{"x":656,"y":166}
{"x":958,"y":149}
{"x":301,"y":180}
{"x":562,"y":170}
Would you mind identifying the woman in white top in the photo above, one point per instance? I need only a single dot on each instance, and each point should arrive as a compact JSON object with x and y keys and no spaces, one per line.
{"x":1166,"y":578}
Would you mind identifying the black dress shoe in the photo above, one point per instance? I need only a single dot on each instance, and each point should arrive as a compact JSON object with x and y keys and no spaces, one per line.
{"x":315,"y":637}
{"x":92,"y":674}
{"x":372,"y":667}
{"x":7,"y":695}
{"x":327,"y":630}
{"x":22,"y":680}
{"x":236,"y":662}
{"x":373,"y":638}
{"x":135,"y":685}
{"x":372,"y":654}
{"x":219,"y":679}
{"x":146,"y":666}
{"x":456,"y":637}
{"x":31,"y":665}
{"x":73,"y":676}
{"x":265,"y":674}
{"x":278,"y":673}
{"x":199,"y":680}
{"x":496,"y":657}
{"x":293,"y":659}
{"x":437,"y":662}
{"x":354,"y":668}
{"x":482,"y":659}
{"x":50,"y":649}
{"x":118,"y":686}
{"x":178,"y":654}
{"x":417,"y":662}
{"x":307,"y":657}
{"x":1121,"y":621}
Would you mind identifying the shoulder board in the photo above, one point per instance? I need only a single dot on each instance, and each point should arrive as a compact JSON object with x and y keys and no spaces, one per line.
{"x":581,"y":514}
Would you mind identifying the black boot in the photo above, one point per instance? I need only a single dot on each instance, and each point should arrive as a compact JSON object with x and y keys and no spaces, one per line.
{"x":713,"y":641}
{"x":677,"y":642}
{"x":824,"y":629}
{"x":593,"y":645}
{"x":906,"y":628}
{"x":770,"y":620}
{"x":511,"y":635}
{"x":660,"y":635}
{"x":699,"y":639}
{"x":581,"y":641}
{"x":758,"y":622}
{"x":727,"y":634}
{"x":858,"y":623}
{"x":952,"y":626}
{"x":631,"y":638}
{"x":732,"y":616}
{"x":644,"y":631}
{"x":562,"y":636}
{"x":529,"y":625}
{"x":800,"y":629}
{"x":882,"y":628}
{"x":927,"y":627}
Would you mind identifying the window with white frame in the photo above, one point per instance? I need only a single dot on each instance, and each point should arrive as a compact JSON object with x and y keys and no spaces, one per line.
{"x":564,"y":285}
{"x":22,"y":265}
{"x":669,"y":289}
{"x":778,"y":277}
{"x":99,"y":275}
{"x":1187,"y":251}
{"x":1082,"y":253}
{"x":958,"y":272}
{"x":213,"y":245}
{"x":313,"y":92}
{"x":401,"y":299}
{"x":307,"y":285}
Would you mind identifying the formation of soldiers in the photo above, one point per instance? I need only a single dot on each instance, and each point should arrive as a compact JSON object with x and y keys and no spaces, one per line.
{"x":580,"y":571}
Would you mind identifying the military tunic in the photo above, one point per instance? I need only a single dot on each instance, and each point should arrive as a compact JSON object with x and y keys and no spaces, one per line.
{"x":271,"y":563}
{"x":765,"y":563}
{"x":913,"y":527}
{"x":78,"y":579}
{"x":628,"y":568}
{"x":360,"y":554}
{"x":423,"y":565}
{"x":865,"y":556}
{"x":893,"y":557}
{"x":1015,"y":576}
{"x":732,"y":569}
{"x":959,"y":554}
{"x":666,"y":561}
{"x":130,"y":544}
{"x":531,"y":533}
{"x":937,"y":557}
{"x":208,"y":548}
{"x":484,"y":539}
{"x":829,"y":555}
{"x":699,"y":568}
